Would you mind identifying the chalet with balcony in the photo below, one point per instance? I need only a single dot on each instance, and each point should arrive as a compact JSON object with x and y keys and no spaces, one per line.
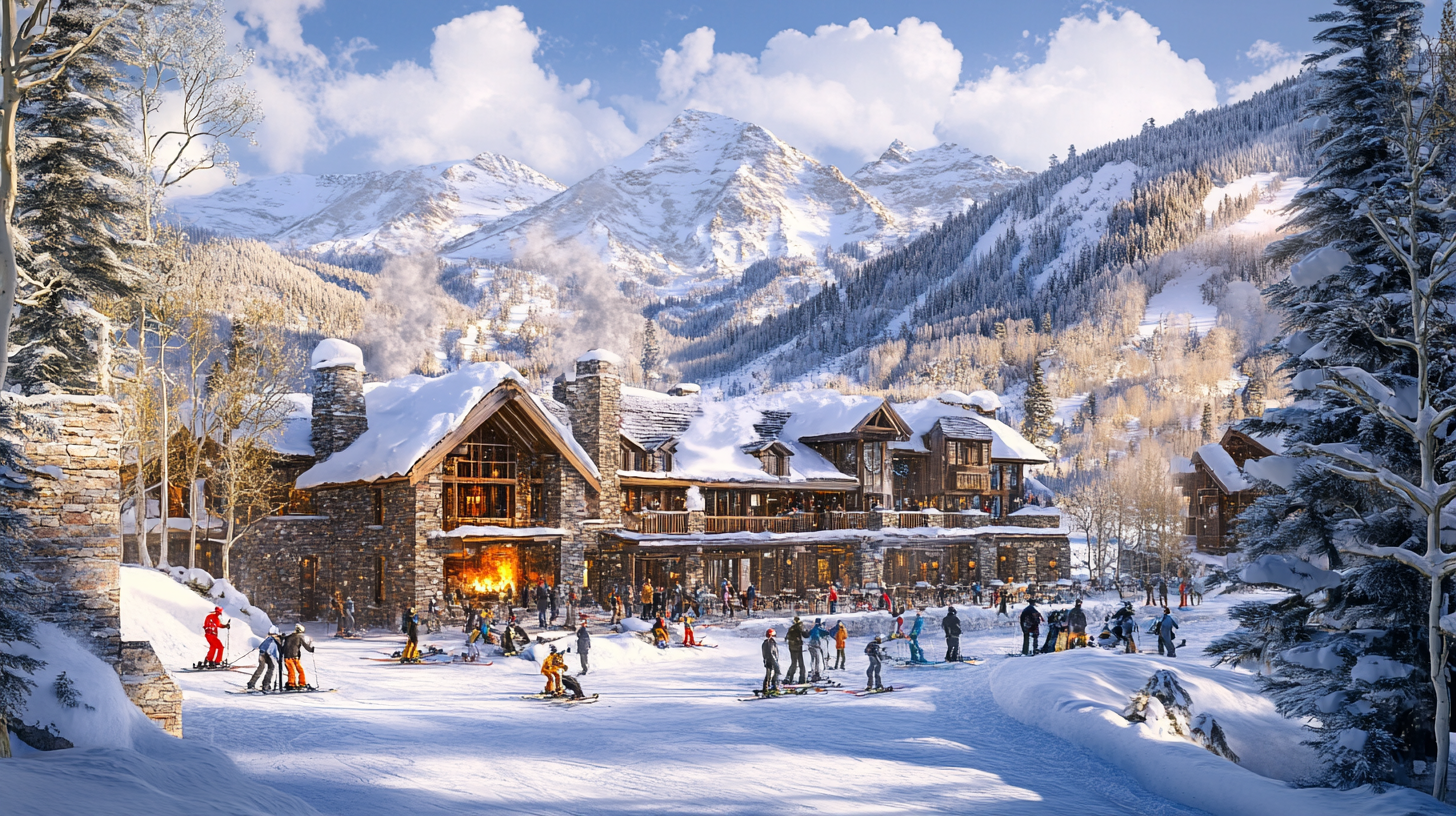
{"x":1218,"y":490}
{"x":469,"y":483}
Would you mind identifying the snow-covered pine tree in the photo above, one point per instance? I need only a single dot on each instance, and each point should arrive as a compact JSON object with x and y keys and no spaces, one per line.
{"x":1205,"y":426}
{"x":1370,"y":727}
{"x":1040,"y":410}
{"x":651,"y":352}
{"x":76,"y":209}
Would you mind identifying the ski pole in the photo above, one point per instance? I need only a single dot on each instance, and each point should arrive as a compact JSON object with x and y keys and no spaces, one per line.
{"x":245,"y":655}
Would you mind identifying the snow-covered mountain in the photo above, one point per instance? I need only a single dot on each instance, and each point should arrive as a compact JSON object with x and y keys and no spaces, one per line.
{"x":701,"y":201}
{"x":419,"y":208}
{"x":922,"y":187}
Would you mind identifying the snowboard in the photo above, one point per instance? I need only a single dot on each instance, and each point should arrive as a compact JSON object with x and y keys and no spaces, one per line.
{"x":196,"y":670}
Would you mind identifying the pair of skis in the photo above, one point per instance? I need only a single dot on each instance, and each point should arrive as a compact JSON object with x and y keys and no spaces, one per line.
{"x":305,"y":690}
{"x":562,"y":699}
{"x":224,"y":667}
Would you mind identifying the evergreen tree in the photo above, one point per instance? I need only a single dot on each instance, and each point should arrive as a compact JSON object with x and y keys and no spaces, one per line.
{"x":1206,"y":426}
{"x":1072,"y":151}
{"x":1091,"y":407}
{"x":651,"y":352}
{"x":1367,"y":730}
{"x":1053,"y":161}
{"x":1037,"y":427}
{"x":1046,"y":323}
{"x":76,"y":208}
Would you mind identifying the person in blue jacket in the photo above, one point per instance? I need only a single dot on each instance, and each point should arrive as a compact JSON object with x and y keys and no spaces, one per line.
{"x":1166,"y":626}
{"x":269,"y":658}
{"x":916,"y":654}
{"x":818,"y":658}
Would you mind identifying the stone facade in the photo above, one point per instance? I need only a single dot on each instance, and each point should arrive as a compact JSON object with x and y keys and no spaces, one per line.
{"x":596,"y":422}
{"x":149,"y":686}
{"x":75,"y":516}
{"x":338,"y":409}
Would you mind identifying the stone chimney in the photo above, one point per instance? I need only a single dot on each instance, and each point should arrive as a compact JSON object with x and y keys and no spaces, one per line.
{"x":338,"y":397}
{"x":595,"y":400}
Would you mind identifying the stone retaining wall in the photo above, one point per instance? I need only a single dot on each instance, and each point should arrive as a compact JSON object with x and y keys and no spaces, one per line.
{"x":149,"y":686}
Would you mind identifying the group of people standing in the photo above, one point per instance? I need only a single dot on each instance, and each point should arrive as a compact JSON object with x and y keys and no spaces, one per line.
{"x":818,"y":638}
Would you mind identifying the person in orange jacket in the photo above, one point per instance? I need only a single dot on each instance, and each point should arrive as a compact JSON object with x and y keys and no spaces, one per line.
{"x":841,"y":636}
{"x":688,"y":639}
{"x":210,"y":625}
{"x":552,"y":667}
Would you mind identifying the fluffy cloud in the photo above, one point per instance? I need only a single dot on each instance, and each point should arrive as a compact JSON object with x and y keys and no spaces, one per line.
{"x":1101,"y":79}
{"x":1278,"y":65}
{"x":849,"y":88}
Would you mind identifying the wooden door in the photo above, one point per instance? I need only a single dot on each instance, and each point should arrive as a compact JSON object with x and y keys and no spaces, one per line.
{"x":308,"y":585}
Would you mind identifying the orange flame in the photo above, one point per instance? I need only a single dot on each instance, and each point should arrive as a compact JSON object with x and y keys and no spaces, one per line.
{"x":497,"y":577}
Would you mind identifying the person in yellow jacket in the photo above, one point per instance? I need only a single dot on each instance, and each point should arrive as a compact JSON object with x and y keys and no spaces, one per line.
{"x":552,"y":668}
{"x":660,"y":634}
{"x":841,"y":635}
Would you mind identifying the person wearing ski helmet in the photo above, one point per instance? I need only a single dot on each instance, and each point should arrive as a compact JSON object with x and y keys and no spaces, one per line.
{"x":269,"y":658}
{"x":552,"y":667}
{"x":210,"y":625}
{"x":411,"y":653}
{"x":770,"y":662}
{"x":951,"y":625}
{"x":875,"y":651}
{"x":293,"y":647}
{"x":1031,"y":621}
{"x":795,"y":641}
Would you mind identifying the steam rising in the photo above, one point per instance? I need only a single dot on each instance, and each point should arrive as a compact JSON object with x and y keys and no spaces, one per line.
{"x":601,"y":316}
{"x":402,"y":320}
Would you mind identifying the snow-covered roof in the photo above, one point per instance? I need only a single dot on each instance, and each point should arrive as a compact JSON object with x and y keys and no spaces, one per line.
{"x":1006,"y":443}
{"x":651,"y":419}
{"x":333,"y":353}
{"x":294,"y":437}
{"x":1221,"y":466}
{"x":491,"y":531}
{"x":982,"y":399}
{"x":410,"y":415}
{"x":600,"y":355}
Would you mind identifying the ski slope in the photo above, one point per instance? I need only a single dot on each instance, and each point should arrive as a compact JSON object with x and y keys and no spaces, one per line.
{"x":670,"y":734}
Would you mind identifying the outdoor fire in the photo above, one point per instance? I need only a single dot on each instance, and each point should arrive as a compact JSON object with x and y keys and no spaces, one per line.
{"x":498,"y":575}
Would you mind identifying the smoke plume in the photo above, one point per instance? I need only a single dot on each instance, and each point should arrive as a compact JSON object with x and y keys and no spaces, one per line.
{"x":601,"y":316}
{"x":402,"y":319}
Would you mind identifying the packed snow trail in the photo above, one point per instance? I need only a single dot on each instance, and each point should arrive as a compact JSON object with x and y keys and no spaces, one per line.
{"x":668,"y":734}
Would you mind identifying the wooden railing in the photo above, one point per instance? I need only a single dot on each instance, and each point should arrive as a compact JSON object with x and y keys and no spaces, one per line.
{"x":658,"y":521}
{"x":846,"y":520}
{"x":451,"y":522}
{"x":798,"y":523}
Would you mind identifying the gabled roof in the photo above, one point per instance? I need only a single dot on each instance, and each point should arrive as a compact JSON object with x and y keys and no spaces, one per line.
{"x":954,"y":427}
{"x":414,"y":421}
{"x":1221,"y":468}
{"x":1006,"y":444}
{"x":653,"y":420}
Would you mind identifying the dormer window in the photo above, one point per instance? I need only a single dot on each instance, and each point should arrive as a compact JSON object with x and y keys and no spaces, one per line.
{"x":774,"y":464}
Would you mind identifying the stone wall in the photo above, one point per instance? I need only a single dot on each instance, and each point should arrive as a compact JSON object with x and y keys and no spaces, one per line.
{"x":338,"y":409}
{"x":75,"y":516}
{"x":149,"y":686}
{"x":596,"y":422}
{"x":265,"y":562}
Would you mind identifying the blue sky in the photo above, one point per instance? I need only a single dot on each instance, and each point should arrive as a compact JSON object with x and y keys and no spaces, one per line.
{"x":352,"y":85}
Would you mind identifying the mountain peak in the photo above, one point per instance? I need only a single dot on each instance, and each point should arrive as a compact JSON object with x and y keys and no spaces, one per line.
{"x":926,"y":185}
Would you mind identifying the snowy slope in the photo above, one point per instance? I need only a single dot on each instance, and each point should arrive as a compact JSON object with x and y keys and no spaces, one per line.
{"x":699,"y":202}
{"x":402,"y":211}
{"x":921,"y":187}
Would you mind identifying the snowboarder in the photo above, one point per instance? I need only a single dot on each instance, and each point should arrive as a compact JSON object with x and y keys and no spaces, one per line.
{"x":770,"y":662}
{"x":795,"y":642}
{"x":1077,"y":623}
{"x":215,"y":651}
{"x":293,"y":647}
{"x":583,"y":643}
{"x":269,"y":658}
{"x":552,"y":667}
{"x":1124,"y":627}
{"x":952,"y":627}
{"x":660,"y":634}
{"x":1030,"y":627}
{"x":688,"y":638}
{"x":818,"y":636}
{"x":875,"y":650}
{"x":1166,"y":626}
{"x":411,"y":653}
{"x":916,"y":654}
{"x":841,"y":636}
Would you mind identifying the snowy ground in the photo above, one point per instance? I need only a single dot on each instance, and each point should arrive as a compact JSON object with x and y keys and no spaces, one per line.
{"x":670,"y":734}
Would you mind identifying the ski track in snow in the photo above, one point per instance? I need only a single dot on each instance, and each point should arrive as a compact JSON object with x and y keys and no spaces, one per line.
{"x":668,"y":735}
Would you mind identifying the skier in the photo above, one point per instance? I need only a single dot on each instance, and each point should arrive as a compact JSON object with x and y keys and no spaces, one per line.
{"x":1166,"y":625}
{"x":552,"y":667}
{"x":875,"y":650}
{"x":795,"y":641}
{"x":269,"y":658}
{"x":293,"y":647}
{"x":573,"y":686}
{"x":817,"y":638}
{"x":472,"y":642}
{"x":1030,"y":627}
{"x":841,"y":636}
{"x":411,"y":653}
{"x":511,"y":636}
{"x":770,"y":663}
{"x":660,"y":634}
{"x":976,"y":593}
{"x":210,"y":625}
{"x":952,"y":627}
{"x":571,"y":601}
{"x":1123,"y":626}
{"x":916,"y":655}
{"x":583,"y":643}
{"x":1077,"y":623}
{"x":688,"y":639}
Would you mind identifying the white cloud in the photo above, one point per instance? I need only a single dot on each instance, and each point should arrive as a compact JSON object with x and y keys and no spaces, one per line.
{"x":1101,"y":79}
{"x":1279,"y":65}
{"x":849,"y":88}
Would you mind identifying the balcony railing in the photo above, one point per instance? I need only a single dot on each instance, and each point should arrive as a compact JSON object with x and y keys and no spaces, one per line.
{"x":846,"y":520}
{"x":797,"y":523}
{"x":658,"y":521}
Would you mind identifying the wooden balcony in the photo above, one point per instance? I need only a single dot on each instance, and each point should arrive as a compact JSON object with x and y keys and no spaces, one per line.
{"x":797,"y":523}
{"x":657,"y":521}
{"x":846,"y":520}
{"x":452,"y":522}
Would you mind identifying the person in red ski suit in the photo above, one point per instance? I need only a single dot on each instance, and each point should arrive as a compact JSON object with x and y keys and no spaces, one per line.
{"x":688,"y":639}
{"x":210,"y":625}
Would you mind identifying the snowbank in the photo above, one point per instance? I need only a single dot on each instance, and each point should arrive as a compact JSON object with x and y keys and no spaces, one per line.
{"x":1289,"y":572}
{"x":1080,"y":695}
{"x":156,"y":607}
